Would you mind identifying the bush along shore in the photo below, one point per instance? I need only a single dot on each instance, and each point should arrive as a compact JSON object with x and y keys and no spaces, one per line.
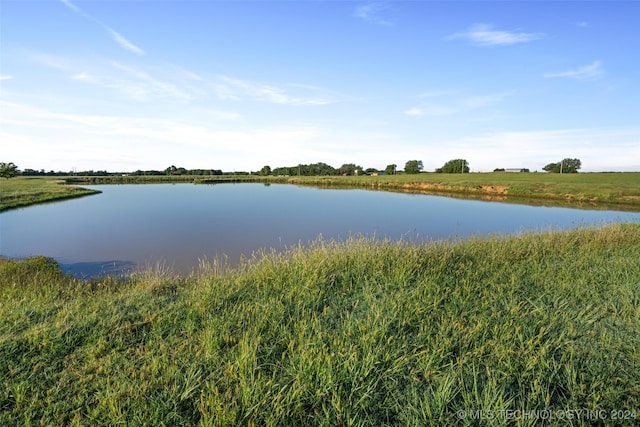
{"x":511,"y":330}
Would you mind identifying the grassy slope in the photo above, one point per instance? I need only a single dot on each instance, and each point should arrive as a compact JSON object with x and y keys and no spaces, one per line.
{"x":19,"y":192}
{"x":360,"y":333}
{"x":592,"y":188}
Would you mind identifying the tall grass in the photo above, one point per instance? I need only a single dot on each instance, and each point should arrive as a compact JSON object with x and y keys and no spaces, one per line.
{"x":354,"y":333}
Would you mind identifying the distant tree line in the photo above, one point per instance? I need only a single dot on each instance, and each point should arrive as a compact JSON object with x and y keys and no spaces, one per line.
{"x":9,"y":170}
{"x":42,"y":172}
{"x":171,"y":170}
{"x":348,"y":169}
{"x":315,"y":169}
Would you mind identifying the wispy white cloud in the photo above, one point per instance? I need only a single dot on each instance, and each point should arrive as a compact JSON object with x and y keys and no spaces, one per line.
{"x":373,"y":12}
{"x":75,"y":8}
{"x":589,"y":72}
{"x":150,"y":84}
{"x":415,"y":112}
{"x":305,"y":95}
{"x":126,"y":44}
{"x":115,"y":36}
{"x":5,"y":77}
{"x":454,"y":106}
{"x":485,"y":35}
{"x":131,"y":82}
{"x":482,"y":101}
{"x":431,"y":110}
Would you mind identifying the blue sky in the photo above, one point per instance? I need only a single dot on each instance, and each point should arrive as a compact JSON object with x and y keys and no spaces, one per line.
{"x":236,"y":85}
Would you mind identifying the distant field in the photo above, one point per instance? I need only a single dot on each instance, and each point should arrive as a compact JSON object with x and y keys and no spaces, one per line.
{"x":585,"y":188}
{"x":25,"y":191}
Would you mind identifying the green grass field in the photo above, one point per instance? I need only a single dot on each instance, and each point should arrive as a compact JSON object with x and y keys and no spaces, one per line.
{"x":354,"y":333}
{"x":20,"y":192}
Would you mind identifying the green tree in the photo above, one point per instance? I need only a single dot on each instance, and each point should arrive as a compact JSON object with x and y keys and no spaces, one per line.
{"x":8,"y":170}
{"x":265,"y":171}
{"x":350,"y":169}
{"x":413,"y":167}
{"x":390,"y":169}
{"x":455,"y":166}
{"x":564,"y":166}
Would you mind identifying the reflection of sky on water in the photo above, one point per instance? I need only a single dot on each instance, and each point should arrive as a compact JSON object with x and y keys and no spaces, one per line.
{"x":175,"y":225}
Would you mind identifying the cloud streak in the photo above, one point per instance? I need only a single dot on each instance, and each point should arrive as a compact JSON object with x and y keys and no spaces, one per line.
{"x":131,"y":83}
{"x":456,"y":106}
{"x":484,"y":35}
{"x":372,"y":12}
{"x":126,"y":44}
{"x":146,"y":84}
{"x":237,"y":89}
{"x":593,"y":71}
{"x":115,"y":36}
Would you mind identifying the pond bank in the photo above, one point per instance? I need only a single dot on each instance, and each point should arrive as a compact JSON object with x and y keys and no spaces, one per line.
{"x":22,"y":192}
{"x":362,"y":333}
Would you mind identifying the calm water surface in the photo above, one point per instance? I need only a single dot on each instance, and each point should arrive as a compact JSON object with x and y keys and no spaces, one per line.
{"x":178,"y":224}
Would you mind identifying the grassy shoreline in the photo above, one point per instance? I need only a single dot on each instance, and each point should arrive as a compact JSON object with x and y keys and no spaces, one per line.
{"x":592,"y":190}
{"x":353,"y":333}
{"x":620,"y":191}
{"x":22,"y":192}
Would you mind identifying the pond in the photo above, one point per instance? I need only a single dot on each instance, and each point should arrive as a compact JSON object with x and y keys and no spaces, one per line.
{"x":176,"y":225}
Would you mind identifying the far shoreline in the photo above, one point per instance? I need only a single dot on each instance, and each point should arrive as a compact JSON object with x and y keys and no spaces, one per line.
{"x":593,"y":190}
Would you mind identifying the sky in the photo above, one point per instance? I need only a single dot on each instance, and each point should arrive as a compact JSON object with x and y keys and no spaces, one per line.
{"x":123,"y":85}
